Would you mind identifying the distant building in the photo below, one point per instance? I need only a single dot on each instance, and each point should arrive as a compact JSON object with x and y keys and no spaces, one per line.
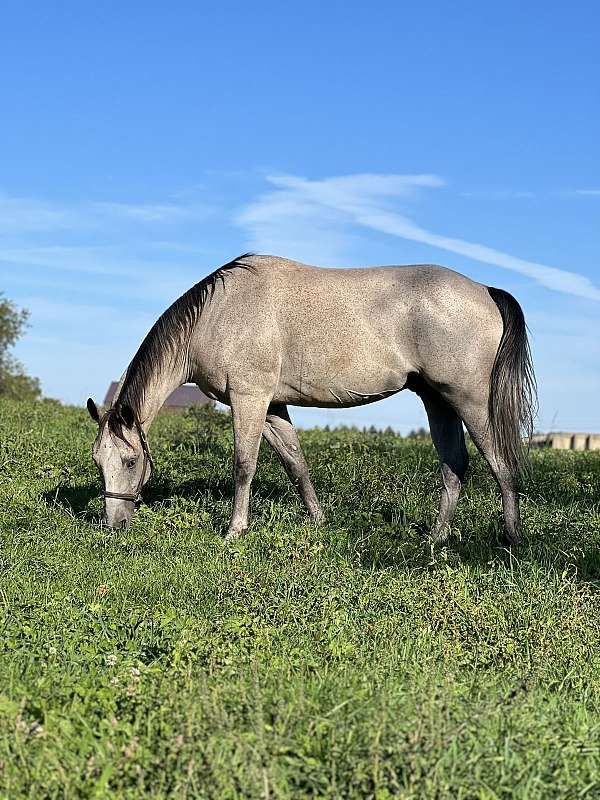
{"x":182,"y":398}
{"x":567,"y":441}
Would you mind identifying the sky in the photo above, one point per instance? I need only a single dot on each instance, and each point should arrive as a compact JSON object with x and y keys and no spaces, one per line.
{"x":144,"y":144}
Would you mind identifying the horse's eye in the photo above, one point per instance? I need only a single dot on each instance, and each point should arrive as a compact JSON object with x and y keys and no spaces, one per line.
{"x":131,"y":463}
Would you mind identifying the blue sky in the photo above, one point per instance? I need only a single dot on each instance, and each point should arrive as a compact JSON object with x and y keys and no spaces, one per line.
{"x":142,"y":145}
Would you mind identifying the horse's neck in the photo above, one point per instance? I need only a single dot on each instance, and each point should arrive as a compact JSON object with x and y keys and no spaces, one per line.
{"x":157,"y":391}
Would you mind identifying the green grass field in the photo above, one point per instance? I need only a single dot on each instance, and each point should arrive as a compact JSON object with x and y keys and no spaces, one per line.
{"x":342,"y":661}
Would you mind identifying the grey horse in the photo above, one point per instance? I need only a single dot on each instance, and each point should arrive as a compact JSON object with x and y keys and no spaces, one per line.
{"x":262,"y":332}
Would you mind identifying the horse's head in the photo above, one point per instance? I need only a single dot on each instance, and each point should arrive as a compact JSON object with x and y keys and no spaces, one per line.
{"x":121,"y":453}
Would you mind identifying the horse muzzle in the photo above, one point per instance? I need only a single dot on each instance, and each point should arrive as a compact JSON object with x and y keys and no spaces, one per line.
{"x":118,"y":513}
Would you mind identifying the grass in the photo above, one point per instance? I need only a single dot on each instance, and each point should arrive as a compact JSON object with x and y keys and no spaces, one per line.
{"x":342,"y":661}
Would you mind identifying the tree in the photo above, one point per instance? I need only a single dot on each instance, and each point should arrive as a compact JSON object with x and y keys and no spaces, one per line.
{"x":14,"y":382}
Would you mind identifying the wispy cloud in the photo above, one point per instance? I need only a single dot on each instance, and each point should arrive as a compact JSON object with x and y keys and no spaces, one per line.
{"x":24,"y":215}
{"x":108,"y":320}
{"x":81,"y":259}
{"x":498,"y":193}
{"x":27,"y":215}
{"x":102,"y":271}
{"x":587,"y":192}
{"x":364,"y":200}
{"x":158,"y":212}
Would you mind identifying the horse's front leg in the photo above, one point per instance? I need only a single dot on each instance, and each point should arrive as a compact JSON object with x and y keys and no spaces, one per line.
{"x":249,"y":413}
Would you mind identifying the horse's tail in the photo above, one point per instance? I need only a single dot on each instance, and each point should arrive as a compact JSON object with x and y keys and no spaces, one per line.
{"x":513,"y":394}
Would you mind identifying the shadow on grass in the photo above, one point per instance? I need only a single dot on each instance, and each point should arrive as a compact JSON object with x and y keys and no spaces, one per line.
{"x":217,"y":490}
{"x":76,"y":499}
{"x":384,"y":548}
{"x":385,"y":539}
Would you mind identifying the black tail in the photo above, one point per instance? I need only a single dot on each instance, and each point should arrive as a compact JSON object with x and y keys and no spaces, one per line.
{"x":513,"y":395}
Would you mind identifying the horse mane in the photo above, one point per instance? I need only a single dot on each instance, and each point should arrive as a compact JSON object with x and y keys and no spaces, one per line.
{"x":166,"y":341}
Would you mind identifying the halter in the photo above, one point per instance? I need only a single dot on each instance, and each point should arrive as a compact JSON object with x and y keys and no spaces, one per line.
{"x":137,"y":496}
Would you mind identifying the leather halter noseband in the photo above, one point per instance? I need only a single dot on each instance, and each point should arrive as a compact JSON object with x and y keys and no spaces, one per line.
{"x":137,"y":496}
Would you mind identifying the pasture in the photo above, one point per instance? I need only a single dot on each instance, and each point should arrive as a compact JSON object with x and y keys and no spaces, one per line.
{"x":342,"y":661}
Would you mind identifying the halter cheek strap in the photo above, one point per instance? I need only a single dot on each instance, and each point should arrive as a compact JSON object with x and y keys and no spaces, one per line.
{"x":137,"y":496}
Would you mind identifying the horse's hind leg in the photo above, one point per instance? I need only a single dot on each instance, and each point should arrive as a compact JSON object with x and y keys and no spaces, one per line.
{"x":448,"y":437}
{"x":475,"y":416}
{"x":248,"y":413}
{"x":281,"y":435}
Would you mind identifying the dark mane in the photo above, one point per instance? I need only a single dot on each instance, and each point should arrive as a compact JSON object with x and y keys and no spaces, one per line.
{"x":166,"y":339}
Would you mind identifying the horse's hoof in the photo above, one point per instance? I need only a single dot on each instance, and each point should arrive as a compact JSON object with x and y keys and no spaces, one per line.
{"x":232,"y":535}
{"x":513,"y":538}
{"x":512,"y":543}
{"x":439,"y":535}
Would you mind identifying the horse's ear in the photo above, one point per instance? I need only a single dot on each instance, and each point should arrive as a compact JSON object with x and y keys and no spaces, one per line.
{"x":93,"y":410}
{"x":127,"y":415}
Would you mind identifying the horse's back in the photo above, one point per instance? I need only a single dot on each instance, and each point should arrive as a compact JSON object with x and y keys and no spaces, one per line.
{"x":409,"y":283}
{"x":392,"y":301}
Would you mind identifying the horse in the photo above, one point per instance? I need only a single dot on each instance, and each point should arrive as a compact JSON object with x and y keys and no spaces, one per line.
{"x":262,"y":332}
